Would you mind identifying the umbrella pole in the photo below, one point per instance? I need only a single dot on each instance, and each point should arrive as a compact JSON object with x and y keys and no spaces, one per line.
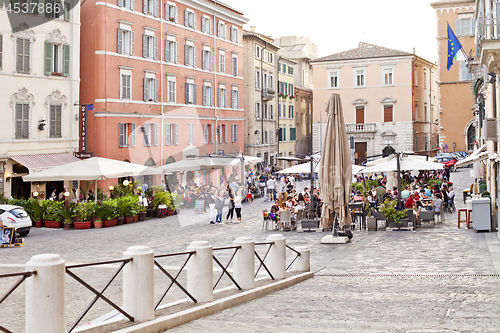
{"x":312,"y":188}
{"x":399,"y":180}
{"x":95,"y":191}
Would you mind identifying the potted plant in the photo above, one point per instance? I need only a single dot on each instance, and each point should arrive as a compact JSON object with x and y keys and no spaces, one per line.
{"x":142,"y":212}
{"x":395,"y":218}
{"x":120,"y":208}
{"x":34,"y":210}
{"x":111,"y":214}
{"x":67,"y":213}
{"x":171,"y":19}
{"x":292,"y":96}
{"x":51,"y":216}
{"x":271,"y":91}
{"x":100,"y":213}
{"x":83,"y":214}
{"x":177,"y":199}
{"x":130,"y":208}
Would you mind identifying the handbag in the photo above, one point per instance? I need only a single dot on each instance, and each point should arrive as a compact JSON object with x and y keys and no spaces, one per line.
{"x":219,"y":204}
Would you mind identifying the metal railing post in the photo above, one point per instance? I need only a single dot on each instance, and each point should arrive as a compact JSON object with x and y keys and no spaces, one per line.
{"x":276,"y":260}
{"x":138,"y":283}
{"x":302,"y":263}
{"x":244,"y":262}
{"x":200,"y":274}
{"x":45,"y":294}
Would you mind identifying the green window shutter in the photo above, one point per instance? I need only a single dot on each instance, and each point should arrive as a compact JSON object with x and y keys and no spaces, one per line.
{"x":279,"y":135}
{"x":48,"y":13}
{"x":66,"y":60}
{"x":1,"y":3}
{"x":48,"y":58}
{"x":285,"y":89}
{"x":66,"y":11}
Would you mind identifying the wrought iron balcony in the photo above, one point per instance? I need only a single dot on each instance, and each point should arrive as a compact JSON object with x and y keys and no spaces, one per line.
{"x":361,"y":128}
{"x":487,"y":22}
{"x":268,"y":94}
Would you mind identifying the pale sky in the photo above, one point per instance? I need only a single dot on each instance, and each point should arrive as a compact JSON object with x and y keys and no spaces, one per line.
{"x":336,"y":26}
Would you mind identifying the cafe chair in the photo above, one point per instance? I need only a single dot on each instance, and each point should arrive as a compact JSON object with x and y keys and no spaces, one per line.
{"x":427,"y":216}
{"x":440,"y":213}
{"x":298,"y":219}
{"x":286,"y":220}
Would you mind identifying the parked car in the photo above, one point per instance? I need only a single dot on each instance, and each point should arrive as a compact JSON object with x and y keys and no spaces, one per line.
{"x":16,"y":217}
{"x":463,"y":153}
{"x":448,"y":161}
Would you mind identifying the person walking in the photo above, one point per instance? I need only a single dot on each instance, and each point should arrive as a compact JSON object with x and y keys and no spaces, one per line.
{"x":219,"y":205}
{"x":230,"y":205}
{"x":271,"y":188}
{"x":211,"y":198}
{"x":237,"y":206}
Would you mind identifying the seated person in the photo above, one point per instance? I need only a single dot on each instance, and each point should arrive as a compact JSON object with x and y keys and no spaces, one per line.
{"x":275,"y":208}
{"x":358,"y":197}
{"x":409,"y":202}
{"x":437,"y":203}
{"x":417,"y":206}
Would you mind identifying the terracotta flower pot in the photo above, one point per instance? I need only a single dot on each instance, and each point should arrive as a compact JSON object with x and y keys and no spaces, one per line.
{"x":98,"y":224}
{"x":39,"y":224}
{"x":129,"y":219}
{"x":120,"y":220}
{"x":109,"y":223}
{"x":136,"y":218}
{"x":82,"y":224}
{"x":67,"y":226}
{"x":170,"y":212}
{"x":53,"y":224}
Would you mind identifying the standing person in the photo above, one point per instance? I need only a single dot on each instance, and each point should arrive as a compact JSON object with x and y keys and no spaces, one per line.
{"x":292,"y":180}
{"x":53,"y":195}
{"x":219,"y":205}
{"x":271,"y":188}
{"x":237,"y":206}
{"x":61,"y":195}
{"x":230,"y":206}
{"x":212,"y":197}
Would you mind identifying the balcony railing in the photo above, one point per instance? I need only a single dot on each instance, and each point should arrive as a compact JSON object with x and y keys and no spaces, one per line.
{"x":487,"y":22}
{"x":361,"y":128}
{"x":268,"y":94}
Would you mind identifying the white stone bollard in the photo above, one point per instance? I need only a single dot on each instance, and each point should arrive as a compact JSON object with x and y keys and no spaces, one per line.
{"x":244,"y":262}
{"x":138,"y":283}
{"x":200,"y":273}
{"x":45,"y":294}
{"x":276,"y":259}
{"x":303,"y":262}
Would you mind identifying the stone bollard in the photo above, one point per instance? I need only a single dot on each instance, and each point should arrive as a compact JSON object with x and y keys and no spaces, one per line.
{"x":244,"y":263}
{"x":276,"y":259}
{"x":138,"y":283}
{"x":200,"y":273}
{"x":303,"y":262}
{"x":45,"y":294}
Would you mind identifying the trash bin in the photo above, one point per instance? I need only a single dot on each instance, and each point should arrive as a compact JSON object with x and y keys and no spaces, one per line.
{"x":481,"y":214}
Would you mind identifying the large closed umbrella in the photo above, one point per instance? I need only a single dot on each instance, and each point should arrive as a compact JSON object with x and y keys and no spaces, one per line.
{"x":92,"y":169}
{"x":335,"y":167}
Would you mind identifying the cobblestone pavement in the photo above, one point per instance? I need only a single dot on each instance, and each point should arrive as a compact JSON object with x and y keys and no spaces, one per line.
{"x":437,"y":276}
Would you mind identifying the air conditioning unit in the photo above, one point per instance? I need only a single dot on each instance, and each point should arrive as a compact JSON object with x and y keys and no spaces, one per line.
{"x":490,"y":129}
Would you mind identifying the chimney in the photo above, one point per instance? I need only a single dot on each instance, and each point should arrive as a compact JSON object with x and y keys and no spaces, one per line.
{"x":252,"y":28}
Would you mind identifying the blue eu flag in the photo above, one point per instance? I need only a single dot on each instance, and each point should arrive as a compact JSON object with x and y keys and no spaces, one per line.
{"x":454,"y":47}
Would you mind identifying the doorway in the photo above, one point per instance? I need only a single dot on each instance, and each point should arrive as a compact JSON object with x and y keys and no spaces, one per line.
{"x":360,"y":152}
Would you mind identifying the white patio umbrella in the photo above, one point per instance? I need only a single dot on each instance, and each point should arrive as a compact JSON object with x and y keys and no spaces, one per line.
{"x":407,"y":163}
{"x":335,"y":167}
{"x":306,"y":168}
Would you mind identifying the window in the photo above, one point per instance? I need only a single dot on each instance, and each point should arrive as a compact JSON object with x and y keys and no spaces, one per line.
{"x":221,"y":29}
{"x":222,"y":95}
{"x":55,"y":121}
{"x":388,"y":113}
{"x":290,"y":89}
{"x":222,"y":61}
{"x":206,"y":25}
{"x":465,"y":75}
{"x":293,"y":132}
{"x":56,"y":59}
{"x":360,"y":78}
{"x":150,"y":7}
{"x":290,"y":70}
{"x":257,"y":79}
{"x":415,"y":77}
{"x":171,"y":50}
{"x":23,"y":55}
{"x":257,"y":51}
{"x":190,"y":93}
{"x":190,"y":134}
{"x":189,"y":55}
{"x":171,"y":96}
{"x":283,"y":68}
{"x":234,"y":35}
{"x":235,"y":98}
{"x":333,"y":80}
{"x":189,"y":19}
{"x":360,"y":114}
{"x":206,"y":134}
{"x":126,"y":85}
{"x":149,"y":46}
{"x":222,"y":130}
{"x":208,"y":95}
{"x":127,"y":4}
{"x":388,"y":76}
{"x":150,"y":89}
{"x":279,"y":66}
{"x":257,"y":110}
{"x":235,"y":64}
{"x":234,"y":133}
{"x":271,"y":57}
{"x":264,"y":81}
{"x":271,"y":111}
{"x":171,"y":134}
{"x":170,"y":12}
{"x":125,"y":41}
{"x":290,"y":111}
{"x":207,"y":57}
{"x":22,"y":120}
{"x":465,"y":26}
{"x":425,"y":79}
{"x":265,"y":137}
{"x":126,"y":135}
{"x":271,"y":82}
{"x":265,"y":111}
{"x":150,"y":134}
{"x":279,"y":109}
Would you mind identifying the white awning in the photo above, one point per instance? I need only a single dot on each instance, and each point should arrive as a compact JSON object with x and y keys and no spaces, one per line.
{"x":477,"y":156}
{"x":44,"y":161}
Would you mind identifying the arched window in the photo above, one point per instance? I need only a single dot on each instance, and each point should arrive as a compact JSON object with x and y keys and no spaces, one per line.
{"x":471,"y":136}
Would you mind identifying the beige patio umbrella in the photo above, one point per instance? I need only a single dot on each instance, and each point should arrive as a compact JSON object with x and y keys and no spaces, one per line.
{"x":335,"y":167}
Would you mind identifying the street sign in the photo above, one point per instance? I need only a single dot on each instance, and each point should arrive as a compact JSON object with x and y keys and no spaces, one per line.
{"x":352,"y":142}
{"x":90,"y":107}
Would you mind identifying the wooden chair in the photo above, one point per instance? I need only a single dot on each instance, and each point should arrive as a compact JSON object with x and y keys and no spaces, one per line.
{"x":464,"y":219}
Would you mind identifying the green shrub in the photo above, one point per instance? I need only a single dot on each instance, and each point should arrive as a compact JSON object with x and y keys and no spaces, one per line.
{"x":84,"y":211}
{"x":388,"y":208}
{"x":66,"y":213}
{"x":162,"y":197}
{"x":433,"y":182}
{"x":34,"y":209}
{"x":127,"y":205}
{"x":51,"y":210}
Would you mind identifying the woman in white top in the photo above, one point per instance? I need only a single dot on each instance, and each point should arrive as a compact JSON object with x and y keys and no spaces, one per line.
{"x":237,"y":206}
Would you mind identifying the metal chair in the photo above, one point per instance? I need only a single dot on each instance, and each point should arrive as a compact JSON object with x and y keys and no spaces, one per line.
{"x":427,"y":216}
{"x":266,"y":220}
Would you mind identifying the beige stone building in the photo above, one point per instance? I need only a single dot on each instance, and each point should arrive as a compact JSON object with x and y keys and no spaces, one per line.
{"x":303,"y":115}
{"x":388,"y":97}
{"x":260,"y":102}
{"x":458,"y":128}
{"x":287,"y":124}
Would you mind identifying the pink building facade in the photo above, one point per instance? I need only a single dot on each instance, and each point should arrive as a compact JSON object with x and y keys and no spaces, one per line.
{"x":165,"y":80}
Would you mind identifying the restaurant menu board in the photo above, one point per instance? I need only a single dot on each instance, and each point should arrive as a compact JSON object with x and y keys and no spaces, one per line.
{"x":8,"y":236}
{"x":199,"y":206}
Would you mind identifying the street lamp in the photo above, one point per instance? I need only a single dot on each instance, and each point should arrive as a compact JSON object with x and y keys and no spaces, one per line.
{"x":126,"y":182}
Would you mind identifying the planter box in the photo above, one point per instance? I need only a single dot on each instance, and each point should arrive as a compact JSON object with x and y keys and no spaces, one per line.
{"x":83,"y":225}
{"x":53,"y":224}
{"x":392,"y":224}
{"x":120,"y":220}
{"x":371,"y":223}
{"x":128,"y":219}
{"x":39,"y":224}
{"x":136,"y":218}
{"x":109,"y":223}
{"x":309,"y":224}
{"x":170,"y":212}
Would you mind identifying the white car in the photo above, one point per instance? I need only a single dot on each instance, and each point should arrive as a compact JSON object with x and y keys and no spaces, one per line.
{"x":16,"y":217}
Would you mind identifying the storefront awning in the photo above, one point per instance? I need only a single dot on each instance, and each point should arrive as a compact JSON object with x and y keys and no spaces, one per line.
{"x":44,"y":161}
